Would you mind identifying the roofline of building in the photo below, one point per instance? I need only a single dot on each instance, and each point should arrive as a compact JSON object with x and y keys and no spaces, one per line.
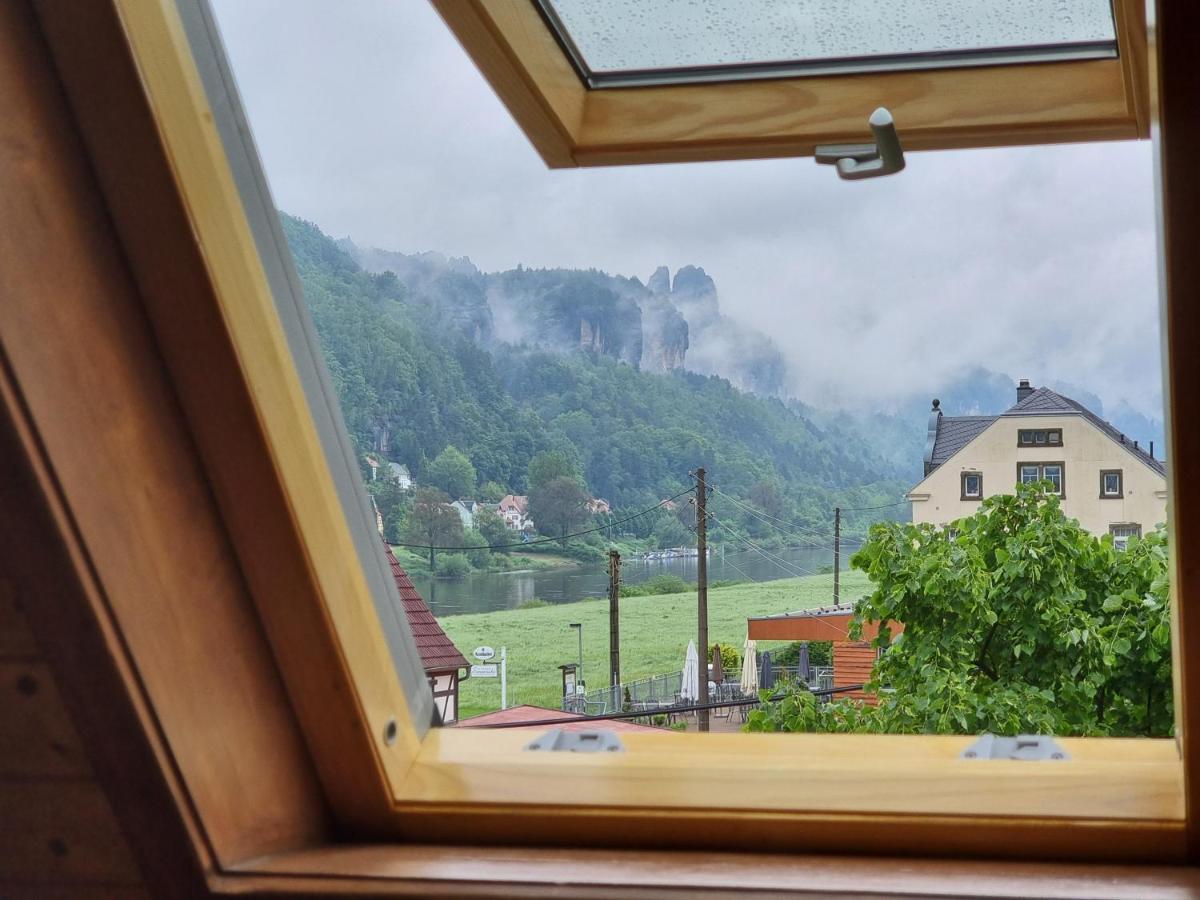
{"x":1026,"y":414}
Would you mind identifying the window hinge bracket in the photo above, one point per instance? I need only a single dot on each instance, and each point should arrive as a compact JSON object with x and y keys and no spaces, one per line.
{"x":855,"y":161}
{"x":1028,"y":747}
{"x":558,"y":741}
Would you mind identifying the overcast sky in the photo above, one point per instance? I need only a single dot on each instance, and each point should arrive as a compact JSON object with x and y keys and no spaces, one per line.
{"x":1037,"y":262}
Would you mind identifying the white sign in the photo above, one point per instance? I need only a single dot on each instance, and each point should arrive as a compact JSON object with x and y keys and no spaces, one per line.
{"x":484,"y":671}
{"x":484,"y":653}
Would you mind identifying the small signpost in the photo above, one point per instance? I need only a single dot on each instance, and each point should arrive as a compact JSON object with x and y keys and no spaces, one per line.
{"x":490,"y":670}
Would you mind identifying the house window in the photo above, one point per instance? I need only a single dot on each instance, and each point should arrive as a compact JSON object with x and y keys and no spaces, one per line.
{"x":972,"y":486}
{"x":1039,"y":437}
{"x":1054,"y":472}
{"x":1122,"y":532}
{"x":1112,"y":484}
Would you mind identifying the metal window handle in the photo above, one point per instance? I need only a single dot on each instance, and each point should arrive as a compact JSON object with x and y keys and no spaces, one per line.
{"x":855,"y":161}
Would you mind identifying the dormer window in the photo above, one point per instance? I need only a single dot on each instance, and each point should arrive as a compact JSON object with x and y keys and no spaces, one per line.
{"x":972,"y":486}
{"x":1039,"y":437}
{"x":1112,"y":484}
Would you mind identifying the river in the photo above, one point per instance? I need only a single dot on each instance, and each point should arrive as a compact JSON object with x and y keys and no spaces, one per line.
{"x":485,"y":592}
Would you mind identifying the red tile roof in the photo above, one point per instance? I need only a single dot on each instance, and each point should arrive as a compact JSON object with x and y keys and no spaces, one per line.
{"x":570,"y":721}
{"x":438,"y":652}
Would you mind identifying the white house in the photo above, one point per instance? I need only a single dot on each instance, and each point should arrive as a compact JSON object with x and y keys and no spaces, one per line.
{"x":1106,"y":480}
{"x":514,"y":510}
{"x":466,"y":510}
{"x":401,"y":475}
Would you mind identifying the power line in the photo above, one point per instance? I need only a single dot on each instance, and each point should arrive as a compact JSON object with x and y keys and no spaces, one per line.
{"x":795,"y":569}
{"x":551,"y":540}
{"x":873,"y":508}
{"x":798,"y":530}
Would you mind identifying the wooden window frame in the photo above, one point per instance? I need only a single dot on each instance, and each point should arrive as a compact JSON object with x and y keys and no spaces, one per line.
{"x":934,"y":110}
{"x":1041,"y":467}
{"x":963,"y":486}
{"x":1104,"y":473}
{"x":184,"y":263}
{"x":1033,"y":435}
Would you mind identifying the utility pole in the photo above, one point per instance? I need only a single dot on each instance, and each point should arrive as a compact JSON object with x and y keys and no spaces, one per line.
{"x":702,"y":593}
{"x":614,"y":626}
{"x":837,"y":554}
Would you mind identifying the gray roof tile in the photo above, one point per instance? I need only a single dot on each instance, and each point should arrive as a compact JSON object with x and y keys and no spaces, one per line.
{"x":955,"y":432}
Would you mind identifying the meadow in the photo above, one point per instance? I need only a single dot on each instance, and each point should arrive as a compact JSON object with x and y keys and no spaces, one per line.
{"x":655,"y":631}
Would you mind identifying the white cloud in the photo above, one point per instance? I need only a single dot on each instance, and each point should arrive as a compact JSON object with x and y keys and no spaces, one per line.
{"x":1037,"y":262}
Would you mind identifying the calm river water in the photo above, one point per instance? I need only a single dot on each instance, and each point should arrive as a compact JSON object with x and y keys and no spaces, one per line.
{"x":505,"y":590}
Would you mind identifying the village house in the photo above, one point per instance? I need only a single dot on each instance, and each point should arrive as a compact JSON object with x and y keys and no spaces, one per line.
{"x":466,"y":510}
{"x":402,"y":476}
{"x":372,"y":465}
{"x":514,"y":510}
{"x":1106,"y":480}
{"x":442,"y":660}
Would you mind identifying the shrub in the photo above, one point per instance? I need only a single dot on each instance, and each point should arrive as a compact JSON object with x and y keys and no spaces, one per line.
{"x":453,"y":565}
{"x":533,"y":603}
{"x":659,"y":584}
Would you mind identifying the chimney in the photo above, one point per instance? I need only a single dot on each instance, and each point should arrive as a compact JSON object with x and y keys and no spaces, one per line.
{"x":1135,"y":445}
{"x":1023,"y":390}
{"x":1152,"y":449}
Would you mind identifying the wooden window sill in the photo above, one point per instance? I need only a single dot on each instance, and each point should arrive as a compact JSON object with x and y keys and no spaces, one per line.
{"x":419,"y":870}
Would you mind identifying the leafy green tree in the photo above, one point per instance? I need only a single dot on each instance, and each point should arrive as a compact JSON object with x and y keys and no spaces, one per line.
{"x":393,"y":504}
{"x":491,"y":492}
{"x":473,"y":538}
{"x":493,"y":530}
{"x":558,"y":506}
{"x":451,"y":471}
{"x":1021,"y":623}
{"x":432,"y":522}
{"x":547,"y":466}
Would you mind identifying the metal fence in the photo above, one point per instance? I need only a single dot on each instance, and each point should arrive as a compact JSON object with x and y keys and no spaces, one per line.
{"x":664,"y":690}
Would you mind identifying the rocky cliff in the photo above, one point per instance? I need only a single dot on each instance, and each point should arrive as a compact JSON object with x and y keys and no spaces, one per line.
{"x":666,"y":324}
{"x":719,"y":345}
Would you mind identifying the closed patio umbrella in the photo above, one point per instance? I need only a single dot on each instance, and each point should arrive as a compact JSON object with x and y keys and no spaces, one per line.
{"x":690,"y":689}
{"x":749,"y":682}
{"x":718,"y":671}
{"x":803,"y":669}
{"x":767,"y":681}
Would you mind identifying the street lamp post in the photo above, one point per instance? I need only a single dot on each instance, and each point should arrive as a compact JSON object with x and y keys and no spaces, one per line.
{"x":579,"y":627}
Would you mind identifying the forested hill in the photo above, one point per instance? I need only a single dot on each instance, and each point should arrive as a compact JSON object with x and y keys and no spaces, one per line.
{"x":404,"y":365}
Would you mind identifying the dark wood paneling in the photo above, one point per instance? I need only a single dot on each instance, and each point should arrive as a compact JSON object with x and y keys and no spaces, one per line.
{"x":16,"y":639}
{"x":140,"y":538}
{"x":37,"y":738}
{"x":61,"y":831}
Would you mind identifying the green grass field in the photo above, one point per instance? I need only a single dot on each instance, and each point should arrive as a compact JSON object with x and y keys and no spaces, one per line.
{"x":655,"y":632}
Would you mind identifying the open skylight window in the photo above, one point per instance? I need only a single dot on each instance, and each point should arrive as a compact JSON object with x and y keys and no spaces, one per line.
{"x":630,"y":43}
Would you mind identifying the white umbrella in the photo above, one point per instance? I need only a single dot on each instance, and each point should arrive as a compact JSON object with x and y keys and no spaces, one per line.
{"x":690,"y":689}
{"x":750,"y":668}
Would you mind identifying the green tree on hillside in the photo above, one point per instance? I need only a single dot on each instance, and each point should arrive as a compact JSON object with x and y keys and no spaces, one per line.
{"x":1021,"y":623}
{"x":491,"y":492}
{"x":432,"y":522}
{"x":558,"y":506}
{"x":547,"y":466}
{"x":451,"y":471}
{"x":495,"y":533}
